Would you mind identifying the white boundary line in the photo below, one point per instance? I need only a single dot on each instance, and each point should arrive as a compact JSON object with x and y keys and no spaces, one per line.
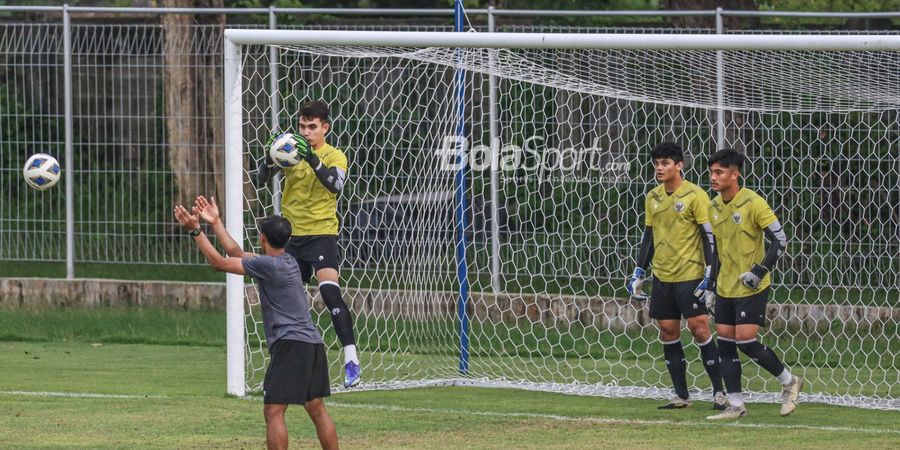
{"x":554,"y":417}
{"x":610,"y":420}
{"x":77,"y":395}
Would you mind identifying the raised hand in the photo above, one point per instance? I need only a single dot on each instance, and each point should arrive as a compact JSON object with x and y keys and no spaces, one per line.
{"x":187,"y":220}
{"x":208,"y":210}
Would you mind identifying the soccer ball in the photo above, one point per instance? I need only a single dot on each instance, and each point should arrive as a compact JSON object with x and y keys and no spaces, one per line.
{"x":284,"y":152}
{"x":42,"y":171}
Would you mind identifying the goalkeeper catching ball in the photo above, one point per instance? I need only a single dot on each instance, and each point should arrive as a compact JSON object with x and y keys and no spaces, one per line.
{"x":309,"y":203}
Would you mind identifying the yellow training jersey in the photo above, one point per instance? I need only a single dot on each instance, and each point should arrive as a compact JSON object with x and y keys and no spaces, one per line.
{"x":677,"y":249}
{"x":306,"y":203}
{"x":738,"y":227}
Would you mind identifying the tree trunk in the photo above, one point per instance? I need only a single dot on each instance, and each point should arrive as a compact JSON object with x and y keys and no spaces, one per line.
{"x":211,"y":105}
{"x":193,"y":94}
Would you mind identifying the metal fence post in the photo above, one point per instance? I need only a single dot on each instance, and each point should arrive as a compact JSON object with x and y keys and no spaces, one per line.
{"x":70,"y":164}
{"x":720,"y":88}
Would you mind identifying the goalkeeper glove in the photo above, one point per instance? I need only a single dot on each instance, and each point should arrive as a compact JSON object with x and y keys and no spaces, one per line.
{"x":751,"y":279}
{"x":706,"y":284}
{"x":304,"y":150}
{"x":265,"y":167}
{"x":634,"y":285}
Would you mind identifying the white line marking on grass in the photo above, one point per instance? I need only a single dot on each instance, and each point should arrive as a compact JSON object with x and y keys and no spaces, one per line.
{"x":610,"y":420}
{"x":77,"y":394}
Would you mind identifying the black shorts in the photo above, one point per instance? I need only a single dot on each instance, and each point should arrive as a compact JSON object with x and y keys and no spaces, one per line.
{"x":297,"y":373}
{"x":672,"y":301}
{"x":743,"y":310}
{"x":313,"y":253}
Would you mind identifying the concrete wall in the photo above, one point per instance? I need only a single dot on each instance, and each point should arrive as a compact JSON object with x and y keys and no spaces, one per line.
{"x":602,"y":313}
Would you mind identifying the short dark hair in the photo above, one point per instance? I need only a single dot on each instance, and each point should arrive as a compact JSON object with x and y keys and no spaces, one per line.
{"x":315,"y":109}
{"x":727,"y":157}
{"x":669,"y":150}
{"x":276,"y":229}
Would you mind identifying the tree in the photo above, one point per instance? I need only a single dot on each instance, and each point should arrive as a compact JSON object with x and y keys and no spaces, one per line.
{"x":193,"y":93}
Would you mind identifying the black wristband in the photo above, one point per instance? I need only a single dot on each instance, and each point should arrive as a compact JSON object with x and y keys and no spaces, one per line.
{"x":759,"y":270}
{"x":196,"y":232}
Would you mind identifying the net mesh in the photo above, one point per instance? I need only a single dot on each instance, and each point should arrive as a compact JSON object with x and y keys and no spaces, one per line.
{"x":821,"y":129}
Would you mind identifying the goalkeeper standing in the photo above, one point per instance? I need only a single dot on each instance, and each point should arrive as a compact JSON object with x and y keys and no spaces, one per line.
{"x":740,"y":219}
{"x":309,"y":202}
{"x":679,"y":240}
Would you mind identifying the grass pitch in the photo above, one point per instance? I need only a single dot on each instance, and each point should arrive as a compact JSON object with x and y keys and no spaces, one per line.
{"x":69,"y":389}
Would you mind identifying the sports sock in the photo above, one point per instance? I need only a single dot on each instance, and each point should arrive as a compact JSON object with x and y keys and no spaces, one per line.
{"x":340,"y":314}
{"x":674,"y":354}
{"x":736,"y":399}
{"x":710,"y":355}
{"x":731,"y":365}
{"x":350,"y":354}
{"x":762,"y":355}
{"x":785,"y":377}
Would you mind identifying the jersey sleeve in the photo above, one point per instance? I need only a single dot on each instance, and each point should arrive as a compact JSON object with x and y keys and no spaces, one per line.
{"x":337,"y":159}
{"x":763,"y":214}
{"x":701,"y":208}
{"x":258,"y":267}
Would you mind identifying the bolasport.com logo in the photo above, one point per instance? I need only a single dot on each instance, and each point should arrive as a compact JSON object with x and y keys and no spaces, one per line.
{"x":535,"y":161}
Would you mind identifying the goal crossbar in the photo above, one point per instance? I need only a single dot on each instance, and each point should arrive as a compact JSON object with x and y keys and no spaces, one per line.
{"x":566,"y":41}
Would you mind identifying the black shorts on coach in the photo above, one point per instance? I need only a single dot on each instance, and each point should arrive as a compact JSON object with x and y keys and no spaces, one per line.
{"x":313,"y":253}
{"x":743,"y":310}
{"x":297,"y":373}
{"x":672,"y":301}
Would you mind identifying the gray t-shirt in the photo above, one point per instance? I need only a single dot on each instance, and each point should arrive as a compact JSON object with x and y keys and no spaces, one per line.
{"x":285,"y":308}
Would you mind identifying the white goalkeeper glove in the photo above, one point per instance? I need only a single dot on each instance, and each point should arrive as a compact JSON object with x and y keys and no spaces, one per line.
{"x":751,"y":279}
{"x":705,"y":290}
{"x":705,"y":285}
{"x":634,"y":285}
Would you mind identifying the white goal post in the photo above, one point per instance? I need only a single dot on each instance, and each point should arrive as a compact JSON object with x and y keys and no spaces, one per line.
{"x":504,"y":264}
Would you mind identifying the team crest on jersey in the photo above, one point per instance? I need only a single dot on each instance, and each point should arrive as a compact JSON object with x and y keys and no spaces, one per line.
{"x":736,"y":217}
{"x":679,"y":206}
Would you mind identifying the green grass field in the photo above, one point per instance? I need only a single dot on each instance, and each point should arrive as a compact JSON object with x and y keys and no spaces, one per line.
{"x":156,"y":379}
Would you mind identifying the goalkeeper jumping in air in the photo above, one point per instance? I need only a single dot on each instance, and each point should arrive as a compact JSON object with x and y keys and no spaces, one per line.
{"x":309,"y":202}
{"x":679,"y":240}
{"x":740,"y":220}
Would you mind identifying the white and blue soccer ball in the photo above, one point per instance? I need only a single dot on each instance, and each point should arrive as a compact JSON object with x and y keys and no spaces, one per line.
{"x":284,"y":152}
{"x":42,"y":171}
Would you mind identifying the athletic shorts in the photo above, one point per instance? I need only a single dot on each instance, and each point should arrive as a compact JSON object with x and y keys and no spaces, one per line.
{"x":297,"y":373}
{"x":672,"y":301}
{"x":313,"y":253}
{"x":743,"y":310}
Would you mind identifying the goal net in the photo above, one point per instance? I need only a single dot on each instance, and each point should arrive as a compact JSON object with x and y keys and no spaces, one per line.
{"x":494,"y":200}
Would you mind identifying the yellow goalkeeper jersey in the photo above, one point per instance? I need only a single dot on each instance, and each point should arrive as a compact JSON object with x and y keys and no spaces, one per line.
{"x":677,"y":249}
{"x":738,"y":227}
{"x":306,"y":203}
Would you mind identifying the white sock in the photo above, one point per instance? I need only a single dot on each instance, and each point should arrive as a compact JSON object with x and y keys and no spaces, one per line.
{"x":785,"y":378}
{"x":736,"y":399}
{"x":350,"y":354}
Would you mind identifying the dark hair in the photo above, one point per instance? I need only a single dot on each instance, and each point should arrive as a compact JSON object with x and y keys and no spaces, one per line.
{"x":669,"y":150}
{"x":728,"y":157}
{"x":276,"y":229}
{"x":315,"y":109}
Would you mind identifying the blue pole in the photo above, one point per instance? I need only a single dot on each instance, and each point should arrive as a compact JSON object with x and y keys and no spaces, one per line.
{"x":460,"y":184}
